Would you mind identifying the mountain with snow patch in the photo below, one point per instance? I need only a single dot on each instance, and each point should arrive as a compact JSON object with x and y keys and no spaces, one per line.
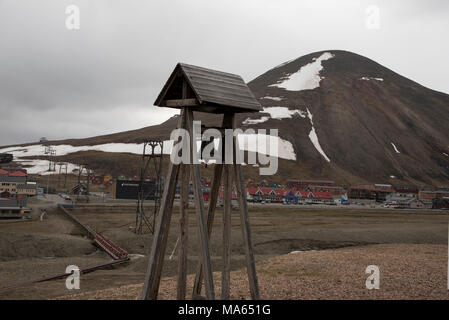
{"x":350,"y":115}
{"x":340,"y":116}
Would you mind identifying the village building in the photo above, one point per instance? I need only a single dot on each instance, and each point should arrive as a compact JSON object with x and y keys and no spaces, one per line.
{"x":407,"y":189}
{"x":270,"y":195}
{"x":322,"y":198}
{"x":15,"y":183}
{"x":378,"y":192}
{"x":304,"y":184}
{"x":304,"y":196}
{"x":432,"y":195}
{"x":399,"y":197}
{"x":253,"y":194}
{"x":440,"y":203}
{"x":290,"y":197}
{"x":334,"y":190}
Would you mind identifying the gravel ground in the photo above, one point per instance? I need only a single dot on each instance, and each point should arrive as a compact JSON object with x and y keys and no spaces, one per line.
{"x":407,"y":271}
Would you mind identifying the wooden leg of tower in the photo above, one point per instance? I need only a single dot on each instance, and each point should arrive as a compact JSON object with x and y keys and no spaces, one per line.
{"x":184,"y":227}
{"x":246,"y":230}
{"x":202,"y":220}
{"x":218,"y":169}
{"x":157,"y":253}
{"x":227,"y":196}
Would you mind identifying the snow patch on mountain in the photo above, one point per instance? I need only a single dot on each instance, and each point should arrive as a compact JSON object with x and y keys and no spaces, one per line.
{"x":64,"y":149}
{"x":282,"y":112}
{"x":273,"y":98}
{"x":275,"y":113}
{"x":395,"y":148}
{"x":306,"y":78}
{"x":40,"y":166}
{"x":314,"y":137}
{"x":371,"y":78}
{"x":256,"y":121}
{"x":263,"y":143}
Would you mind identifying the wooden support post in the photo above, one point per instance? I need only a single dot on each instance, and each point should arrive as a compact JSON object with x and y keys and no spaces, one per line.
{"x":216,"y":182}
{"x":157,"y":253}
{"x":246,"y":230}
{"x":227,"y":196}
{"x":218,"y":169}
{"x":184,"y":228}
{"x":199,"y":206}
{"x":184,"y":218}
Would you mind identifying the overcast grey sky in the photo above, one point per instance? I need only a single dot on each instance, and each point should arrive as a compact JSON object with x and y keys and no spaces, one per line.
{"x":104,"y":77}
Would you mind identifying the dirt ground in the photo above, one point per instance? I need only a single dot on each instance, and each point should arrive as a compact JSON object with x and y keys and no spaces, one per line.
{"x":34,"y":249}
{"x":407,"y":271}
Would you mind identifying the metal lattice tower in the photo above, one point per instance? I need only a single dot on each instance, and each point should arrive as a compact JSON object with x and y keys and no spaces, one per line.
{"x":62,"y":170}
{"x":51,"y":154}
{"x":83,"y":186}
{"x":151,"y":163}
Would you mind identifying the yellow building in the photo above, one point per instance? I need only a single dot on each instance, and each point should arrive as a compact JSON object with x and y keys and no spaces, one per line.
{"x":16,"y":183}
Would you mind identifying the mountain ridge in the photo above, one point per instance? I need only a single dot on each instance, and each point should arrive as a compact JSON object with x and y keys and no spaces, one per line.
{"x":372,"y":123}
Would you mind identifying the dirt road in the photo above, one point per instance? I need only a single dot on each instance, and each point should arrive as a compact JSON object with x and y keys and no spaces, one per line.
{"x":33,"y":249}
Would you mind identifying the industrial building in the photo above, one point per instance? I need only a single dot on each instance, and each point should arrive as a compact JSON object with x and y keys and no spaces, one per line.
{"x":15,"y":183}
{"x":128,"y":189}
{"x":378,"y":192}
{"x":431,"y":195}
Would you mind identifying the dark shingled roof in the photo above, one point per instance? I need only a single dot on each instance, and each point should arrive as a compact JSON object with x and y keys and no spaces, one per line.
{"x":212,"y":89}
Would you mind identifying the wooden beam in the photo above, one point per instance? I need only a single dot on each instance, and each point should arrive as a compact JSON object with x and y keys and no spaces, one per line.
{"x":246,"y":230}
{"x":218,"y":169}
{"x":202,"y":222}
{"x":159,"y":245}
{"x":216,"y":183}
{"x":227,"y":198}
{"x":181,"y":103}
{"x":184,"y":227}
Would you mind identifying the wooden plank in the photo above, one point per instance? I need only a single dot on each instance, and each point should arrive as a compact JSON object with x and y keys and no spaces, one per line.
{"x":218,"y":169}
{"x":191,"y":69}
{"x":202,"y":221}
{"x":184,"y":219}
{"x":246,"y":230}
{"x":181,"y":103}
{"x":216,"y":182}
{"x":184,"y":227}
{"x":199,"y":81}
{"x":220,"y":92}
{"x":218,"y":87}
{"x":159,"y":245}
{"x":229,"y":102}
{"x":227,"y":198}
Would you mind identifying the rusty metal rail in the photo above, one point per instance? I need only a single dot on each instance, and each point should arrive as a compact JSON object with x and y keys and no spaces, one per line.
{"x":65,"y":274}
{"x":118,"y":254}
{"x":91,"y":233}
{"x":110,"y":247}
{"x":100,"y":240}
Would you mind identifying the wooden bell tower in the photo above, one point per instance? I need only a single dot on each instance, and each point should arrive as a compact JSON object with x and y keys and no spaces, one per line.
{"x":190,"y":89}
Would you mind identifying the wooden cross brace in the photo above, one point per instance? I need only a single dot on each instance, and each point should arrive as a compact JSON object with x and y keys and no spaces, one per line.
{"x":205,"y":223}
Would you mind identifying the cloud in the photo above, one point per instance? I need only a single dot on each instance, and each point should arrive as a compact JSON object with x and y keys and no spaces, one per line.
{"x":105,"y":77}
